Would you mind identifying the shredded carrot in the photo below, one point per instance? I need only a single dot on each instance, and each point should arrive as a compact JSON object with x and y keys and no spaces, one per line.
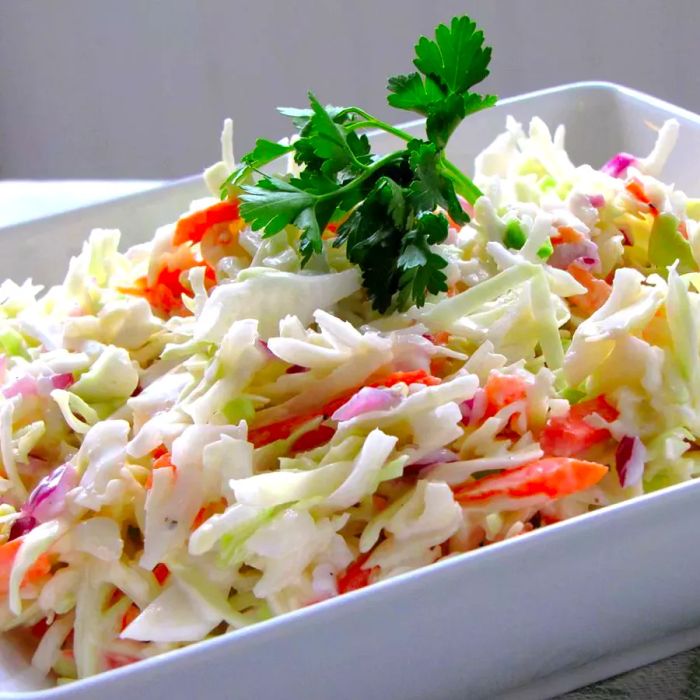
{"x":284,"y":428}
{"x":281,"y":430}
{"x":277,"y":431}
{"x":355,"y":576}
{"x":162,"y":462}
{"x":453,"y":224}
{"x":502,"y":390}
{"x":165,"y":294}
{"x":553,"y":477}
{"x":568,"y":435}
{"x":440,"y":366}
{"x":207,"y":511}
{"x":566,"y":234}
{"x":418,"y":376}
{"x":201,"y":517}
{"x":160,"y":451}
{"x":636,"y":189}
{"x":314,"y":438}
{"x":40,"y":568}
{"x":193,"y":226}
{"x":116,"y":596}
{"x":597,"y":294}
{"x":165,"y":460}
{"x":132,"y":612}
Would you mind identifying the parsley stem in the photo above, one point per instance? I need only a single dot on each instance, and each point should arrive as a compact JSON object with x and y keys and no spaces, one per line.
{"x":463,"y":184}
{"x":368,"y":172}
{"x":374,"y":123}
{"x":367,"y":124}
{"x":371,"y":121}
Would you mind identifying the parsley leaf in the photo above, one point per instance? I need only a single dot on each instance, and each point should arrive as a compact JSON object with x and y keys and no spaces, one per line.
{"x":300,"y":117}
{"x":393,"y":259}
{"x":325,"y":143}
{"x":373,"y":237}
{"x":310,"y":242}
{"x":413,"y":92}
{"x":444,"y":117}
{"x":265,"y":152}
{"x":421,"y":269}
{"x":273,"y":204}
{"x":457,"y":57}
{"x":431,"y":188}
{"x":387,"y":211}
{"x":451,"y":65}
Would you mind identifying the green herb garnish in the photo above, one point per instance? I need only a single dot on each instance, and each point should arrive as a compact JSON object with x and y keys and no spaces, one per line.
{"x":385,"y":207}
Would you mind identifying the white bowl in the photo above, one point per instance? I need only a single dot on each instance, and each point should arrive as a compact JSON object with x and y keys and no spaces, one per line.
{"x":527,"y":618}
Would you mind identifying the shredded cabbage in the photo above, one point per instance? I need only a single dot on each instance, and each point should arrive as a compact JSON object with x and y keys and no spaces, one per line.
{"x":245,"y":437}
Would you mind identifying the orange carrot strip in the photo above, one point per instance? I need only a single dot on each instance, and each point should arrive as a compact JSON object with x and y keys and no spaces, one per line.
{"x":162,"y":462}
{"x":568,"y":435}
{"x":203,"y":514}
{"x":40,"y":568}
{"x":132,"y":612}
{"x":553,"y":477}
{"x":193,"y":226}
{"x":355,"y":576}
{"x":281,"y":430}
{"x":502,"y":390}
{"x":419,"y":376}
{"x":277,"y":431}
{"x":165,"y":294}
{"x":314,"y":438}
{"x":597,"y":292}
{"x":636,"y":189}
{"x":566,"y":234}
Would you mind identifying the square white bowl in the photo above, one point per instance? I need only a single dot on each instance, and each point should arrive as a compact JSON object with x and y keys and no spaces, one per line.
{"x":527,"y":618}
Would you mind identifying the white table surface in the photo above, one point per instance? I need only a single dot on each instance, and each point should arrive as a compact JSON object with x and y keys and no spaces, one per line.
{"x":23,"y":200}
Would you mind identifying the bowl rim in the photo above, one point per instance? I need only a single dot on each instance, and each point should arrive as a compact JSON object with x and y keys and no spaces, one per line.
{"x":601,"y":519}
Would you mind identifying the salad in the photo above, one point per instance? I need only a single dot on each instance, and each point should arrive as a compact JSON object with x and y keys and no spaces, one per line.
{"x":322,"y":378}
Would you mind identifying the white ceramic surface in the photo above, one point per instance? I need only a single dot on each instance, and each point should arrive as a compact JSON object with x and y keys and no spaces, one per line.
{"x":27,"y":200}
{"x":526,"y":618}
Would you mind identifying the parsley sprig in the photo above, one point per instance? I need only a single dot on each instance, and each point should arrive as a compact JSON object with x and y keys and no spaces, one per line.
{"x":388,"y":209}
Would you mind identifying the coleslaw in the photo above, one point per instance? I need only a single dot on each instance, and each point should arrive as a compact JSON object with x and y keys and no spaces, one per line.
{"x":197,"y":435}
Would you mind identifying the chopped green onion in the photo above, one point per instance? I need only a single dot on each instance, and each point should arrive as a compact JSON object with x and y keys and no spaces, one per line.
{"x":514,"y":236}
{"x":545,"y":250}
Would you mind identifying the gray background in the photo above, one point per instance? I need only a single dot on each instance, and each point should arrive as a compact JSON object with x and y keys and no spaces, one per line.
{"x":139,"y":88}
